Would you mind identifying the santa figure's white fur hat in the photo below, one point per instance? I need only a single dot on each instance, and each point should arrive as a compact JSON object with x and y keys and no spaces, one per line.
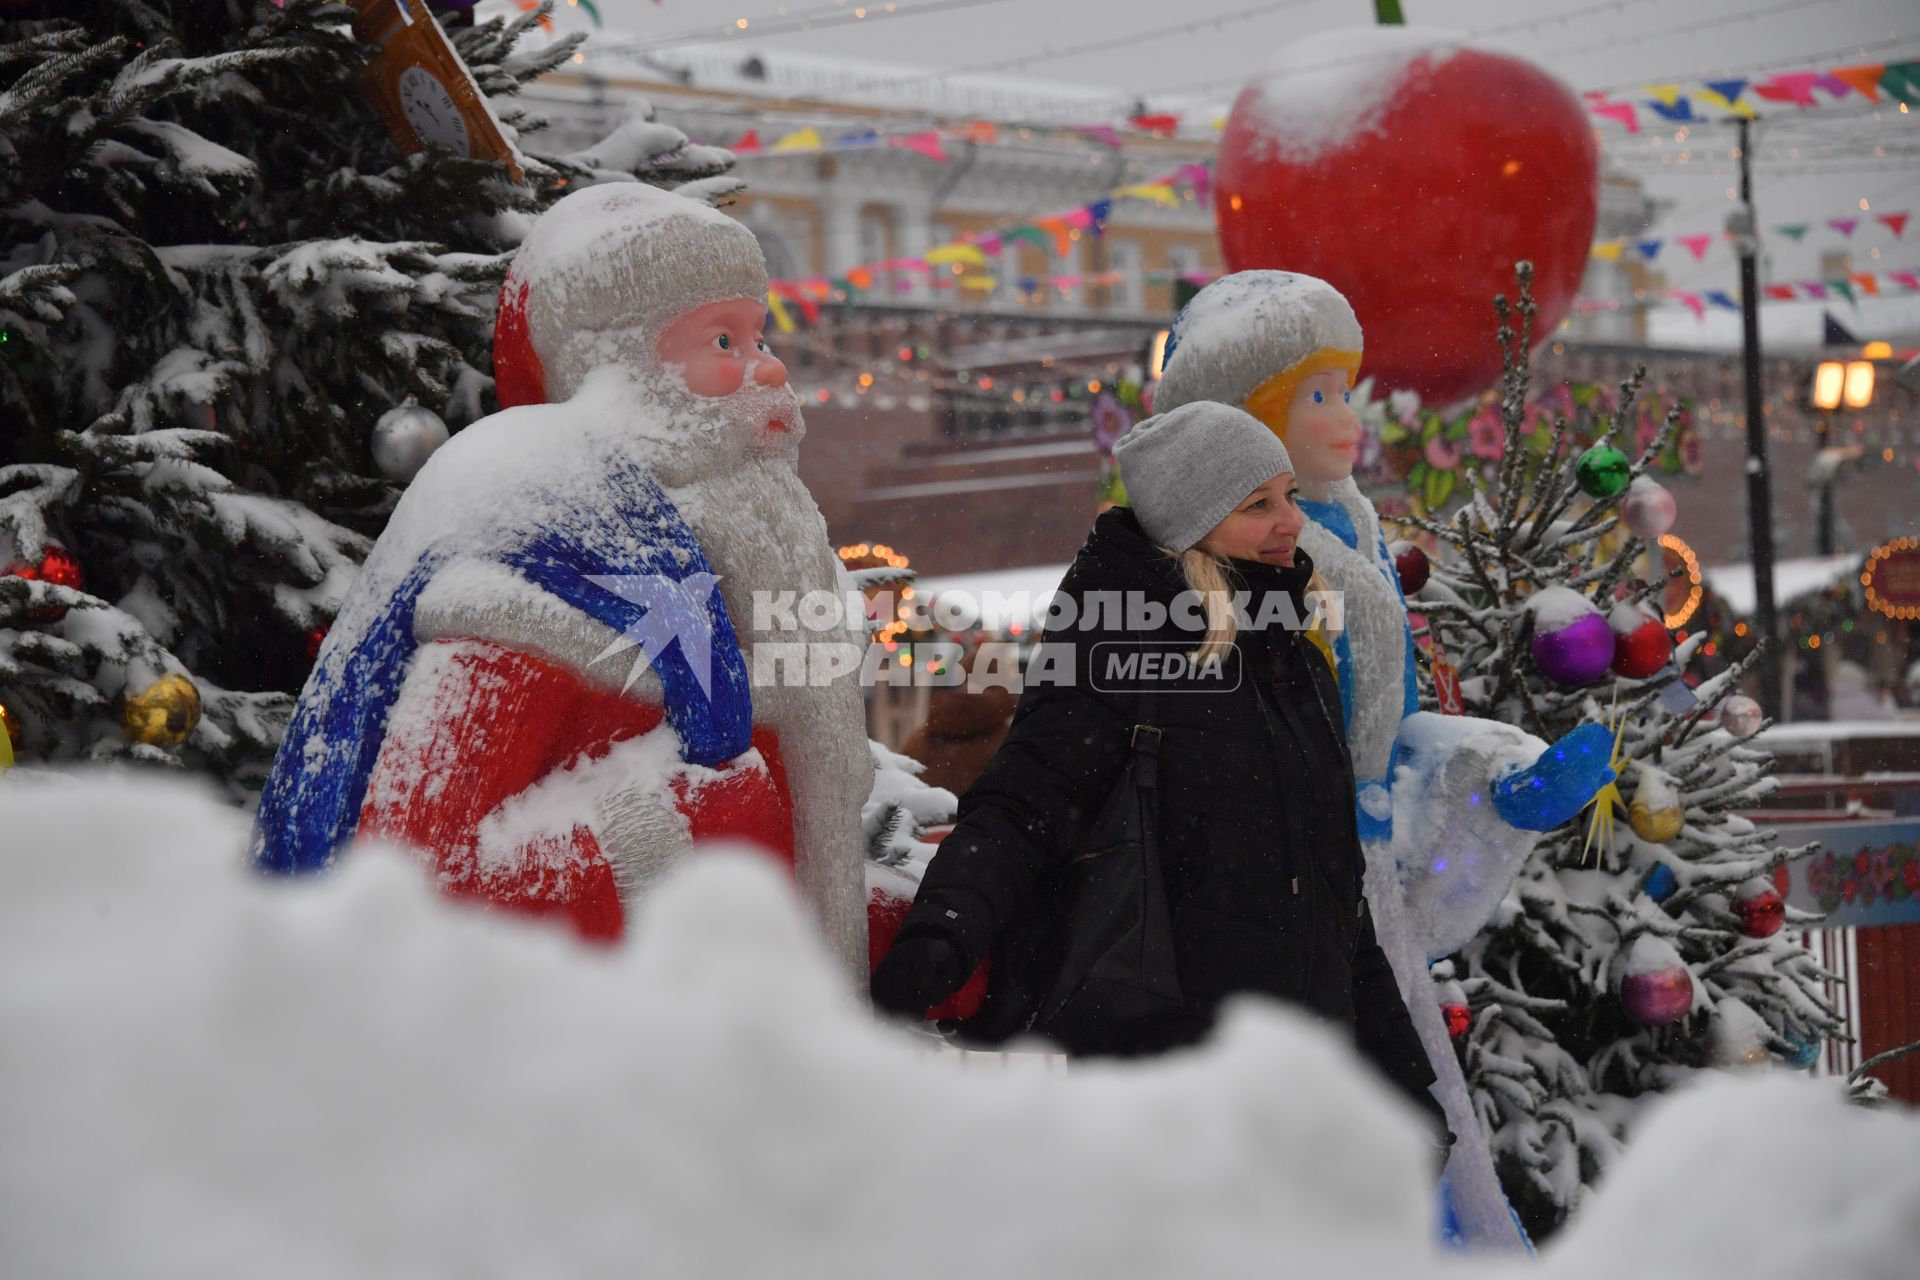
{"x":621,"y":255}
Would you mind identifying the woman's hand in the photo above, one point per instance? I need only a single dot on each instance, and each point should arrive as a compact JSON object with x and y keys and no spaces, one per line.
{"x":917,"y":973}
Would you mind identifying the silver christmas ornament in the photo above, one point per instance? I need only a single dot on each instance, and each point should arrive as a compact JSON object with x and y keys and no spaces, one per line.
{"x":405,"y":438}
{"x":1740,"y":716}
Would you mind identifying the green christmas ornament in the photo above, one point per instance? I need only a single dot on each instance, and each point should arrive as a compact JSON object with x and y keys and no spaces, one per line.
{"x":1602,"y":471}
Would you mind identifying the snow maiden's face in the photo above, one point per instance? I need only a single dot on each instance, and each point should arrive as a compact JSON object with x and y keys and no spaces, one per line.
{"x":1320,"y":429}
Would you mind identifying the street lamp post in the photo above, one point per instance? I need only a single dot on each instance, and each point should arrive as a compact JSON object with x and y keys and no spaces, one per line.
{"x":1741,"y":226}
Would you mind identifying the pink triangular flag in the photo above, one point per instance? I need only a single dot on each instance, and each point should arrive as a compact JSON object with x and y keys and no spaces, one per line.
{"x":1791,"y":86}
{"x":1622,"y":111}
{"x":1695,"y":245}
{"x":927,"y":144}
{"x":1911,"y":279}
{"x":1692,"y":302}
{"x":1844,"y":226}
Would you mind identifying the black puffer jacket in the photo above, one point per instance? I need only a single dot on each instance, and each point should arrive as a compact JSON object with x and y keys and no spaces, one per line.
{"x":1260,"y":852}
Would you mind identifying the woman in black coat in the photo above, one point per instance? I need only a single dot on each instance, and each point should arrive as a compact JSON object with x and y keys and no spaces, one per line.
{"x":1259,"y":851}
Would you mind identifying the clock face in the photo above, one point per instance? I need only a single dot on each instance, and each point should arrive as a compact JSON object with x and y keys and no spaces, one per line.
{"x":431,"y":110}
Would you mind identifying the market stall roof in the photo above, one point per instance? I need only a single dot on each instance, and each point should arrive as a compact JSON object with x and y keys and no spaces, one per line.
{"x":1792,"y":579}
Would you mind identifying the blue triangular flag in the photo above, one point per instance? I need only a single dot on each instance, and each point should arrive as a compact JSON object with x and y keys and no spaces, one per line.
{"x":1649,"y":249}
{"x":1721,"y":298}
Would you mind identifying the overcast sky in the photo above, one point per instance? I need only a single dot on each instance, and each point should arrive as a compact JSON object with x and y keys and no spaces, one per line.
{"x":1592,"y":44}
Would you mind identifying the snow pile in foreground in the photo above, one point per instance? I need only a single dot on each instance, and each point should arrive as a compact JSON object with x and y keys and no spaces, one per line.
{"x":207,"y":1074}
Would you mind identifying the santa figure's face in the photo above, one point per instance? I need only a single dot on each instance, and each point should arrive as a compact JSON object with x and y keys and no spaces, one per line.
{"x":726,"y":391}
{"x":720,"y":347}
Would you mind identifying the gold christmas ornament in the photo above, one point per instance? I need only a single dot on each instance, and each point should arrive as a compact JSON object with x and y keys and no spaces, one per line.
{"x":10,"y":739}
{"x":1656,"y":814}
{"x":164,"y":714}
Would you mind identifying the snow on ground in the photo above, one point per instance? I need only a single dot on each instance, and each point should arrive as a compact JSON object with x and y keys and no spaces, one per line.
{"x":208,"y":1074}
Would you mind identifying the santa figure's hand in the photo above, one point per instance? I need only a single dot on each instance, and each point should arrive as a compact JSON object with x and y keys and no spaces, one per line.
{"x":1559,"y":783}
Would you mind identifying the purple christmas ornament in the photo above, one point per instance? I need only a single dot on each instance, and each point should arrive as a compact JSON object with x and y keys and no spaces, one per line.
{"x":1657,"y":999}
{"x":1572,"y":644}
{"x":1658,"y":987}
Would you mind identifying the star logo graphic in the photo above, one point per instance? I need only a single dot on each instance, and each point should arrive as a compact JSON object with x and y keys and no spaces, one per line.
{"x":673,"y":610}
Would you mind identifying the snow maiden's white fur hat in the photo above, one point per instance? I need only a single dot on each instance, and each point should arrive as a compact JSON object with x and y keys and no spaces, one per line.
{"x":1247,"y":329}
{"x":622,"y":256}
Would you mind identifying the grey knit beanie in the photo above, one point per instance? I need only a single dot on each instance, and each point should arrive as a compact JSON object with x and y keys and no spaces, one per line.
{"x":621,"y":255}
{"x":1244,"y":328}
{"x":1186,"y":469}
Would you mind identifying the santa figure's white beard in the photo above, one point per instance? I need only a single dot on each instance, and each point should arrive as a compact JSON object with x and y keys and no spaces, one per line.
{"x":736,"y":485}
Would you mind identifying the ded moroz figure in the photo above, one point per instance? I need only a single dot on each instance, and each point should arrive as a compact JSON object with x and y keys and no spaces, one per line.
{"x":1448,"y":806}
{"x":549,"y":676}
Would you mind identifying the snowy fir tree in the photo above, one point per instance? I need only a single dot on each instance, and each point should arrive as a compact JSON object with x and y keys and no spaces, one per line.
{"x":1629,"y":954}
{"x":218,"y":272}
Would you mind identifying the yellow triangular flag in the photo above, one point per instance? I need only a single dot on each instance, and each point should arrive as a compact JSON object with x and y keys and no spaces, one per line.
{"x":1712,"y":99}
{"x":804,"y":140}
{"x":1664,"y":94}
{"x":1155,"y":192}
{"x":941,"y":255}
{"x":1609,"y":251}
{"x":781,"y":318}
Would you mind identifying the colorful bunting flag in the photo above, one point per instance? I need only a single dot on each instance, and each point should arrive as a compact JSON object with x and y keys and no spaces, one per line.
{"x":748,"y":144}
{"x":958,"y":252}
{"x":1784,"y":292}
{"x":1695,"y":245}
{"x":1896,"y":222}
{"x":799,"y":140}
{"x":1909,"y":279}
{"x":1867,"y":285}
{"x":1844,"y":289}
{"x":1160,"y":126}
{"x":1793,"y":230}
{"x":1649,"y":249}
{"x":1720,"y":298}
{"x":1156,"y":192}
{"x":1621,"y":111}
{"x":1863,"y":79}
{"x":1844,"y":226}
{"x":1608,"y":251}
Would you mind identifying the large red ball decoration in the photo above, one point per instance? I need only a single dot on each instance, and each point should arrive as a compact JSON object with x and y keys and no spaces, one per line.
{"x":1411,"y":563}
{"x":1411,"y":173}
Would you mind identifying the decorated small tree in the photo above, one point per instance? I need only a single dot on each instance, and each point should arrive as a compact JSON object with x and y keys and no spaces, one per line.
{"x":1631,"y":954}
{"x":234,"y":318}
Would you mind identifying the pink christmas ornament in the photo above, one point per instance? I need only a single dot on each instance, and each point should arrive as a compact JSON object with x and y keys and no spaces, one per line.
{"x":1649,"y":508}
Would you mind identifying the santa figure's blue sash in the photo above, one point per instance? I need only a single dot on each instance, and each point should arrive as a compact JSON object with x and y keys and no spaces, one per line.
{"x":624,"y":527}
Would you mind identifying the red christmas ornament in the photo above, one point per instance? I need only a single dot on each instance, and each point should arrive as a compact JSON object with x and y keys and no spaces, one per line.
{"x":1641,"y":642}
{"x":1459,"y":1017}
{"x":1760,"y":909}
{"x":57,"y":566}
{"x":1411,"y":174}
{"x":1412,"y":565}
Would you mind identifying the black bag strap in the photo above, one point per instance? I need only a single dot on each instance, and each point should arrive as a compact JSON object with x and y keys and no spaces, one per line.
{"x":1145,"y":743}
